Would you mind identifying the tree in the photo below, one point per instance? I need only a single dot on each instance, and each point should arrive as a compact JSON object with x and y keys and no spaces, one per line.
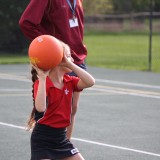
{"x":11,"y":36}
{"x":11,"y":10}
{"x":95,"y":7}
{"x":128,"y":6}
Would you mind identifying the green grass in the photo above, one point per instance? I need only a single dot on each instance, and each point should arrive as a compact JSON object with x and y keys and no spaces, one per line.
{"x":122,"y":51}
{"x":6,"y":58}
{"x":117,"y":51}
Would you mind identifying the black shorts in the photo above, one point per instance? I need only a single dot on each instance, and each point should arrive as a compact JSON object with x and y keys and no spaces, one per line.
{"x":83,"y":66}
{"x":50,"y":143}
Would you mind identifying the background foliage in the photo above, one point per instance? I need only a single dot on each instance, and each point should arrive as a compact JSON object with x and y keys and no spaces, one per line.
{"x":119,"y":6}
{"x":11,"y":36}
{"x":12,"y":40}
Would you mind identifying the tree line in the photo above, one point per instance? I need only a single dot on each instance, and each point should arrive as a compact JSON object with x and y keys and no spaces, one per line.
{"x":10,"y":11}
{"x":93,"y":7}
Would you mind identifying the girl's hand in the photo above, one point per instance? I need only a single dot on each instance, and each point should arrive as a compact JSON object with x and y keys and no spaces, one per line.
{"x":41,"y":74}
{"x":67,"y":59}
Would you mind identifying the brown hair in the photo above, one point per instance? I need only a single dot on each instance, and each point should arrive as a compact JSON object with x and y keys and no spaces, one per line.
{"x":31,"y":120}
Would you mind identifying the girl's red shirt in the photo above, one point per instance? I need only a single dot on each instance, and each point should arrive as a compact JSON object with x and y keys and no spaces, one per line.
{"x":52,"y":17}
{"x":59,"y":107}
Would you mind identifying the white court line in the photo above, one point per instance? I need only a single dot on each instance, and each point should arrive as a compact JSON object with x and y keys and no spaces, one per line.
{"x":25,"y":79}
{"x":128,"y":83}
{"x":14,"y":90}
{"x":15,"y":95}
{"x":11,"y":125}
{"x":14,"y":77}
{"x":117,"y":147}
{"x":125,"y":92}
{"x":102,"y":91}
{"x":93,"y":142}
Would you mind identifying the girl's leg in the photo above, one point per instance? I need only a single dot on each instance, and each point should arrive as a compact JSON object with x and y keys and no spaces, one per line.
{"x":75,"y":100}
{"x":76,"y":96}
{"x":77,"y":156}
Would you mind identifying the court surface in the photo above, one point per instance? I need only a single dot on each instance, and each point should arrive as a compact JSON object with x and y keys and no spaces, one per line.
{"x":117,"y":119}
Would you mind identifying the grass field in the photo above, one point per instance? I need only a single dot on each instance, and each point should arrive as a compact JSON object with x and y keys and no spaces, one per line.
{"x":8,"y":58}
{"x":123,"y":51}
{"x":117,"y":51}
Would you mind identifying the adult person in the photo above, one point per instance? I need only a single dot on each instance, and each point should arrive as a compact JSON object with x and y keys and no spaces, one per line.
{"x":62,"y":19}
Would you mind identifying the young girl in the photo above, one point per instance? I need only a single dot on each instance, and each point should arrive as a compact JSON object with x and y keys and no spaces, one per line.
{"x":52,"y":99}
{"x":62,"y":19}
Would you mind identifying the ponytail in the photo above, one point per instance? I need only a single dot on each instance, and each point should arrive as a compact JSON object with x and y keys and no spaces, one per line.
{"x":31,"y":120}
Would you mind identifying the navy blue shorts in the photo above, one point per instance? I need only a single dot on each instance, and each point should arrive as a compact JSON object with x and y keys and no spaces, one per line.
{"x":50,"y":143}
{"x":83,"y":66}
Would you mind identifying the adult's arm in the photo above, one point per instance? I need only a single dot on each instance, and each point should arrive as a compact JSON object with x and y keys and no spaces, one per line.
{"x":31,"y":18}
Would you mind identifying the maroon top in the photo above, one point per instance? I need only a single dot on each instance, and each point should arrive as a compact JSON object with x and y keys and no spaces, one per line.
{"x":52,"y":17}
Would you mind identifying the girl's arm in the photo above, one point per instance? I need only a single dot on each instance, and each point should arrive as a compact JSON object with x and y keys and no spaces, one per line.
{"x":40,"y":100}
{"x":86,"y":79}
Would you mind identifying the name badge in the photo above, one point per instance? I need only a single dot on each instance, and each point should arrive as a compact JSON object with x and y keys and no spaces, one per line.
{"x":73,"y":22}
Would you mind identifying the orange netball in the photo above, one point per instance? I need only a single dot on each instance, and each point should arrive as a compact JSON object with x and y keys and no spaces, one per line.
{"x":45,"y":51}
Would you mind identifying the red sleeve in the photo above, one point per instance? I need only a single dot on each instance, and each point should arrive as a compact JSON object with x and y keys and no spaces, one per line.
{"x":75,"y":81}
{"x":31,"y":18}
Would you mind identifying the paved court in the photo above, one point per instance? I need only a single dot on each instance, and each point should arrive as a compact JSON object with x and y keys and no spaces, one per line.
{"x":118,"y":118}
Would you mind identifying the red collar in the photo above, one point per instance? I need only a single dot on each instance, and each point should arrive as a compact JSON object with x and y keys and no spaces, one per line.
{"x":66,"y":78}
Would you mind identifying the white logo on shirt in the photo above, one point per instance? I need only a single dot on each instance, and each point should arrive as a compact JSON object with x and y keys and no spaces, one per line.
{"x":66,"y":91}
{"x":75,"y":150}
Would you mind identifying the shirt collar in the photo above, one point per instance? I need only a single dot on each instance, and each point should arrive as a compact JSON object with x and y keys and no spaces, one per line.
{"x":66,"y":78}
